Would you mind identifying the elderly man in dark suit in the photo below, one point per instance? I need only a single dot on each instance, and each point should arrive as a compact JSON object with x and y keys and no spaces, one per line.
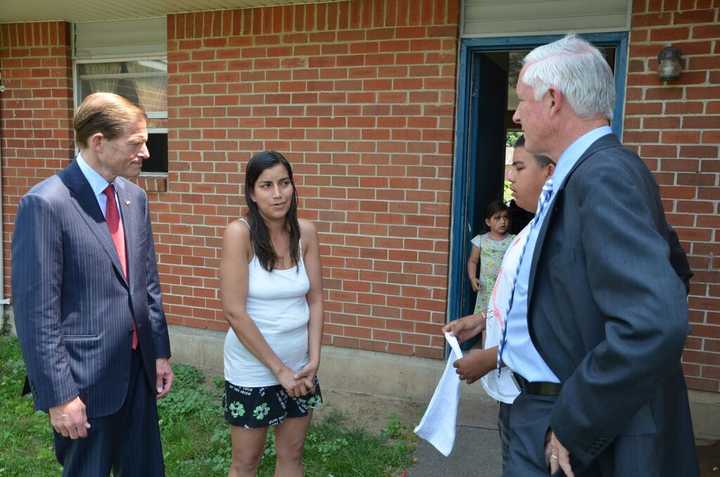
{"x":87,"y":301}
{"x":598,"y":318}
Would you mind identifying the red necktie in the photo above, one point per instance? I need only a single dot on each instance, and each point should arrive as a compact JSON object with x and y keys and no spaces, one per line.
{"x":112,"y":217}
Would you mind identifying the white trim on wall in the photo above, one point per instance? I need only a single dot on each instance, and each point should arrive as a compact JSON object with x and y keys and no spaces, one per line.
{"x":492,"y":18}
{"x":143,"y":37}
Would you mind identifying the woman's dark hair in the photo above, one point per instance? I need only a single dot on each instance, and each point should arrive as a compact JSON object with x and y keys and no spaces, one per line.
{"x":542,"y":161}
{"x":494,"y":207}
{"x":259,"y":233}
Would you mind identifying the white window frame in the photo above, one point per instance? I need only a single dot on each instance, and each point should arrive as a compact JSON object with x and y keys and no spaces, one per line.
{"x":117,"y":59}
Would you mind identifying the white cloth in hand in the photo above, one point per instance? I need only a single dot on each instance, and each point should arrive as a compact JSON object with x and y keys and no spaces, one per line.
{"x":437,"y":426}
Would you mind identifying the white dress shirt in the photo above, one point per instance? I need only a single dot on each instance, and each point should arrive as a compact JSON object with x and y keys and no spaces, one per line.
{"x":97,"y":183}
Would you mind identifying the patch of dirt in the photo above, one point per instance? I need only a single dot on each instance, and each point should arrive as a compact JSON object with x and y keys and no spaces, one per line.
{"x":368,"y":412}
{"x":709,"y":457}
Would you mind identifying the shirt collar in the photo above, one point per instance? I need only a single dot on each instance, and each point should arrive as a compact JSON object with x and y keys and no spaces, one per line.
{"x":97,"y":182}
{"x":572,"y":154}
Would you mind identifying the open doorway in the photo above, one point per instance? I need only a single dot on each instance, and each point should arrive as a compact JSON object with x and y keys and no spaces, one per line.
{"x":485,"y":134}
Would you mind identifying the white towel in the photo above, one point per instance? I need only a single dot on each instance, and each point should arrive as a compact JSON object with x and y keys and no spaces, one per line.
{"x":437,"y":426}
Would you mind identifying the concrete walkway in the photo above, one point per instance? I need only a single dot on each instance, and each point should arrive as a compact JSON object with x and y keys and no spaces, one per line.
{"x":477,"y":446}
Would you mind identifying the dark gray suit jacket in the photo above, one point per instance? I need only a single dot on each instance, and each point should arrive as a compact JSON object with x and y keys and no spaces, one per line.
{"x":73,"y":307}
{"x":608,"y":313}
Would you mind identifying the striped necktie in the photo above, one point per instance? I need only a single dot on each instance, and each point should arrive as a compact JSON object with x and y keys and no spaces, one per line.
{"x":543,"y":201}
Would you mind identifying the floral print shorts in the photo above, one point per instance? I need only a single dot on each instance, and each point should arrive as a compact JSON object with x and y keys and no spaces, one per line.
{"x":266,"y":406}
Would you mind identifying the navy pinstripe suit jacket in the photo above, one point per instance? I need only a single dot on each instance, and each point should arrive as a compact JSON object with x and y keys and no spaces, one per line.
{"x":73,"y":307}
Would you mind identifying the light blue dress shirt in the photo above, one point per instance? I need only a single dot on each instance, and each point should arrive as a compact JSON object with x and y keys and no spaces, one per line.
{"x":520,"y":354}
{"x":97,"y":183}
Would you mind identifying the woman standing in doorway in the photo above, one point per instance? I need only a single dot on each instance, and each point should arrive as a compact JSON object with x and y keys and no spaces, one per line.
{"x":271,"y":288}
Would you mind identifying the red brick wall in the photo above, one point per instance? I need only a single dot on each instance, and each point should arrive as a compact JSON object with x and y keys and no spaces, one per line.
{"x":676,"y":128}
{"x":35,"y":112}
{"x":360,"y":96}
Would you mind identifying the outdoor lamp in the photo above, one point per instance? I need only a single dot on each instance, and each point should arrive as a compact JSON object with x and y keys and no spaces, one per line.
{"x":669,"y":63}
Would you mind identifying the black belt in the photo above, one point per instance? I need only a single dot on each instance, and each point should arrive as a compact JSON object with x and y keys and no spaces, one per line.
{"x":538,"y":388}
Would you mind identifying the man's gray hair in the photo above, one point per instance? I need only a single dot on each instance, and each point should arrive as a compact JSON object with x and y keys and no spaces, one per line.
{"x":578,"y":70}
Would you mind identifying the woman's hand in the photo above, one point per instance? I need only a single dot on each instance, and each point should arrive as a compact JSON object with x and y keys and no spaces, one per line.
{"x":294,"y":387}
{"x":307,"y":374}
{"x":475,"y":284}
{"x":466,"y":327}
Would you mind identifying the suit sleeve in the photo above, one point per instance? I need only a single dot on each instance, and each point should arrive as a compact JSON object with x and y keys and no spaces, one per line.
{"x":642,"y":300}
{"x":37,"y":275}
{"x":156,"y":313}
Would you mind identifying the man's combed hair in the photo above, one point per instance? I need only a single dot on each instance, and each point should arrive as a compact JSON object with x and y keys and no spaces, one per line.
{"x":105,"y":113}
{"x":259,"y":233}
{"x":578,"y":70}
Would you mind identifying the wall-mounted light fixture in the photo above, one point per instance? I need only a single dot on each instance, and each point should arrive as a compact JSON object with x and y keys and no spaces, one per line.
{"x":669,"y":63}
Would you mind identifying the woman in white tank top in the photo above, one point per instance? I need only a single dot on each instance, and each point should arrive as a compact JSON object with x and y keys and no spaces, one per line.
{"x":271,"y":288}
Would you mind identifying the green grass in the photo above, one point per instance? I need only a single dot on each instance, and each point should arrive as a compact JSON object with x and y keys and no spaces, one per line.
{"x":196,"y":440}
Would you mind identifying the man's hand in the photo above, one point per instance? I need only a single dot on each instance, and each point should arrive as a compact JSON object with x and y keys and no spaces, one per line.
{"x":466,"y":327}
{"x":475,"y":364}
{"x":69,"y":419}
{"x":164,"y":377}
{"x":475,"y":284}
{"x":557,"y":456}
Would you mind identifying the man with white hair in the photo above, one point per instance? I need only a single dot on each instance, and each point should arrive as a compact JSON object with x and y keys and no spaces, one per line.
{"x":598,"y":318}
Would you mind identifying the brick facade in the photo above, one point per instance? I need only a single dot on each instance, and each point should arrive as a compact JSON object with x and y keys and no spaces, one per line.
{"x":360,"y":96}
{"x":675,"y":126}
{"x":36,"y":112}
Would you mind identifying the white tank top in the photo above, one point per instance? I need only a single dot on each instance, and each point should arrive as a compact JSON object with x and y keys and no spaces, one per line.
{"x":277,"y":303}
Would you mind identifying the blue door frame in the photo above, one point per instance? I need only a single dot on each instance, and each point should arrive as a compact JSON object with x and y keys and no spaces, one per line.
{"x":463,"y":166}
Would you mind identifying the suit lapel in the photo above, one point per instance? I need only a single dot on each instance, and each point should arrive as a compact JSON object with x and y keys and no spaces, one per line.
{"x":89,"y":210}
{"x":604,"y":142}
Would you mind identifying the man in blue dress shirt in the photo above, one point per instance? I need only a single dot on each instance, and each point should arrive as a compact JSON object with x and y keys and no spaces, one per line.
{"x":598,"y":319}
{"x":87,"y":299}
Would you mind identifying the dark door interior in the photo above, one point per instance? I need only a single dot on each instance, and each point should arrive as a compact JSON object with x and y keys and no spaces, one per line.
{"x":487,"y":132}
